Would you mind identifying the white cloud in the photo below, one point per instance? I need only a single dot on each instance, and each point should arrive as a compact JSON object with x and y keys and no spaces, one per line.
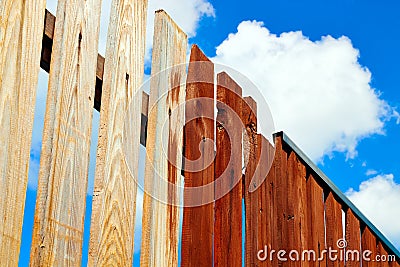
{"x":318,"y":92}
{"x":371,"y":172}
{"x":378,"y":198}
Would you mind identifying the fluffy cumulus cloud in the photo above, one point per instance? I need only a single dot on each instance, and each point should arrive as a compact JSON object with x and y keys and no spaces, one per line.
{"x":318,"y":92}
{"x":378,"y":198}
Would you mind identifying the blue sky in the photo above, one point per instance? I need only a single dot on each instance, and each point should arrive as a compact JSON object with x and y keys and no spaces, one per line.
{"x":348,"y":82}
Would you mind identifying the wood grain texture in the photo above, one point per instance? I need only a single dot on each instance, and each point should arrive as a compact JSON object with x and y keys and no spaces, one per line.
{"x":160,"y":222}
{"x":198,"y":221}
{"x":296,"y":209}
{"x":252,"y":154}
{"x":353,"y":238}
{"x":228,"y":174}
{"x":21,"y":25}
{"x":316,"y":219}
{"x":280,"y":208}
{"x":47,"y":46}
{"x":368,"y":242}
{"x":61,"y":199}
{"x":114,"y":199}
{"x":334,"y":226}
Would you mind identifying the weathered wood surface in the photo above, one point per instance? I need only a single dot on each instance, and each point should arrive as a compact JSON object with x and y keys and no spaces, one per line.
{"x":115,"y":188}
{"x":60,"y":206}
{"x":21,"y":25}
{"x":334,"y":226}
{"x":252,"y":156}
{"x":228,"y":174}
{"x":198,"y":221}
{"x":160,"y":223}
{"x":353,"y":238}
{"x":47,"y":45}
{"x":316,"y":218}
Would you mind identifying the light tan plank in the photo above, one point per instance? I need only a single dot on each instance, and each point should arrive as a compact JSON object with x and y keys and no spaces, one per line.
{"x":160,"y":224}
{"x":60,"y":207}
{"x":21,"y":27}
{"x":114,"y":198}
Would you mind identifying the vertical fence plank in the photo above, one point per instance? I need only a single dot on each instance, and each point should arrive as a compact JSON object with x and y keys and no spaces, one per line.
{"x":21,"y":27}
{"x":384,"y":260}
{"x":60,"y":207}
{"x":280,"y":183}
{"x":353,"y":238}
{"x":316,"y":219}
{"x":252,"y":156}
{"x":114,"y":198}
{"x":160,"y":226}
{"x":296,"y":208}
{"x":334,"y":229}
{"x":228,"y":174}
{"x":198,"y":222}
{"x":368,"y":242}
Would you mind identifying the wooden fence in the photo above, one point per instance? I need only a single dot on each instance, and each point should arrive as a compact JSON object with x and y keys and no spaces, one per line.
{"x":295,"y":207}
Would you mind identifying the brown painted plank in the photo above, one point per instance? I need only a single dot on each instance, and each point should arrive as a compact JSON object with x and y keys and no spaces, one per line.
{"x":228,"y":174}
{"x":21,"y":24}
{"x":114,"y":198}
{"x":368,"y":242}
{"x":160,"y":222}
{"x":353,"y":239}
{"x":265,"y":209}
{"x":252,"y":155}
{"x":198,"y":222}
{"x":281,"y":238}
{"x":316,"y":219}
{"x":296,"y":208}
{"x":383,"y":260}
{"x":61,"y":199}
{"x":47,"y":47}
{"x":334,"y":226}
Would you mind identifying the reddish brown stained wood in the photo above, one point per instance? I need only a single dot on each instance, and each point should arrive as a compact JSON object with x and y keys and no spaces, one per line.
{"x":281,"y":239}
{"x":368,"y":242}
{"x":383,"y":254}
{"x":296,"y":208}
{"x":265,"y":201}
{"x":252,"y":155}
{"x":316,"y":220}
{"x":334,"y":228}
{"x":353,"y":238}
{"x":228,"y":174}
{"x":198,"y":222}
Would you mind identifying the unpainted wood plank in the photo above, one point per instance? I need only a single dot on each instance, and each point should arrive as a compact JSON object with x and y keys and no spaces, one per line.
{"x":252,"y":155}
{"x":334,"y":227}
{"x":47,"y":45}
{"x":228,"y":174}
{"x":21,"y":25}
{"x":316,"y":219}
{"x":114,"y":198}
{"x":368,"y":242}
{"x":160,"y":223}
{"x":353,"y":239}
{"x":198,"y":221}
{"x":61,"y":199}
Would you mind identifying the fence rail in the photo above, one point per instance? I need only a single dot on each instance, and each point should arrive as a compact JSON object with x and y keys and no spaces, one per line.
{"x":296,"y":207}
